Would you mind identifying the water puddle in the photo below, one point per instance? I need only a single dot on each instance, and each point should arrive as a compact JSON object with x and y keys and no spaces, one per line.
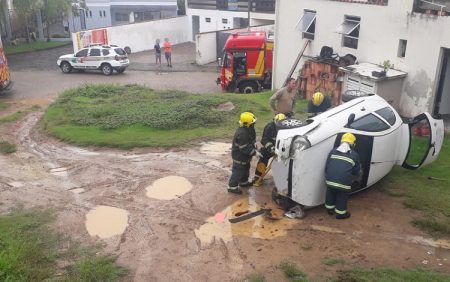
{"x":218,"y":226}
{"x":168,"y":188}
{"x":105,"y":222}
{"x":215,"y":149}
{"x":77,"y":190}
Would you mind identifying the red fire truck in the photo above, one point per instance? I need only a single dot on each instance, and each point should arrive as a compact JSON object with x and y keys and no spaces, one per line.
{"x":247,"y":63}
{"x":5,"y":78}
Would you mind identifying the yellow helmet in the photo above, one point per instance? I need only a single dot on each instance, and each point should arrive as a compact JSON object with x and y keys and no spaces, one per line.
{"x":317,"y":98}
{"x":247,"y":119}
{"x":349,"y":138}
{"x":279,"y":117}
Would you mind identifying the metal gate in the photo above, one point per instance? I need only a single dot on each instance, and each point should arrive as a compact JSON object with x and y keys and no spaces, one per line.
{"x":221,"y":39}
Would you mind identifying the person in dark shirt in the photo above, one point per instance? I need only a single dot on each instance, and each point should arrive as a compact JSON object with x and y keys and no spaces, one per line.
{"x":342,"y":169}
{"x":319,"y":103}
{"x":157,"y":48}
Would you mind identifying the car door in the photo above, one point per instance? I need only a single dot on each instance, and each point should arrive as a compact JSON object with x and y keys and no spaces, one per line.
{"x":92,"y":61}
{"x":422,"y":141}
{"x":78,"y":60}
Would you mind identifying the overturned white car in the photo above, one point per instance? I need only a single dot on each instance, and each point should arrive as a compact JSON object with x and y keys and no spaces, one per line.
{"x":383,"y":140}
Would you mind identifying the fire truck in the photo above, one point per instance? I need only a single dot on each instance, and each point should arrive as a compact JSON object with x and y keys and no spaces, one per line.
{"x":247,"y":63}
{"x":5,"y":78}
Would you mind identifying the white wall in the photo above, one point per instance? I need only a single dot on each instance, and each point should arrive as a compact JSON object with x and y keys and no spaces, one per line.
{"x":216,"y":17}
{"x":142,"y":36}
{"x":380,"y":30}
{"x":206,"y":48}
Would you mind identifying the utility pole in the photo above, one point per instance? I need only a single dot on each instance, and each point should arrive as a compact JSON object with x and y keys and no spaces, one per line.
{"x":248,"y":14}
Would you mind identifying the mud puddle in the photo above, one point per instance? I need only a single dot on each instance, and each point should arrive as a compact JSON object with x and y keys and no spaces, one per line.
{"x":218,"y":226}
{"x":106,"y":222}
{"x":169,"y":188}
{"x":215,"y":149}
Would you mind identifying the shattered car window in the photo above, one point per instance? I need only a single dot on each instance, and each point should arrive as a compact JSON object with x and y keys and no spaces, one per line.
{"x":369,"y":123}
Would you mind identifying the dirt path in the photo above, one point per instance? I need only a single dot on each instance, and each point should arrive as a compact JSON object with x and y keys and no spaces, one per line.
{"x":179,"y":239}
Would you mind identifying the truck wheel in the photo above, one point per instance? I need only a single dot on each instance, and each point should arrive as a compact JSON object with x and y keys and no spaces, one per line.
{"x":66,"y":67}
{"x":107,"y":69}
{"x":248,"y":87}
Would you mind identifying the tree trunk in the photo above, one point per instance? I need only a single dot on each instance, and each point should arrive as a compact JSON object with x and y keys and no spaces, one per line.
{"x":7,"y":21}
{"x":40,"y":27}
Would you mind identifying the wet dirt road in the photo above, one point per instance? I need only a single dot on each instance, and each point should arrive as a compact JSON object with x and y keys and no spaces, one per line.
{"x":182,"y":233}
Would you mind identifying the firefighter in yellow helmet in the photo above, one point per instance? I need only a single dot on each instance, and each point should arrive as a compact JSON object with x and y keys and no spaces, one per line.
{"x":319,"y":103}
{"x":342,"y":168}
{"x":268,"y":151}
{"x":242,"y":151}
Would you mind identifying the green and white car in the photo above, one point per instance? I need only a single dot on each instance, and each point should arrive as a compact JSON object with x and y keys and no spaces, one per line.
{"x":96,"y":57}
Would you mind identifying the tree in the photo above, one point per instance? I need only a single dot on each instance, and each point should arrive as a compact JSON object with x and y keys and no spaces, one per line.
{"x":24,"y":10}
{"x":181,"y":7}
{"x":53,"y":11}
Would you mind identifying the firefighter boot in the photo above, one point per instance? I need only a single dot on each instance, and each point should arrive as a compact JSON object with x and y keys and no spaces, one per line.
{"x":245,"y":184}
{"x":234,"y":190}
{"x":343,"y":216}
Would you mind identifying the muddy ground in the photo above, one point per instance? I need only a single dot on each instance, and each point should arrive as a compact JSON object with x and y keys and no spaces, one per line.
{"x":188,"y":237}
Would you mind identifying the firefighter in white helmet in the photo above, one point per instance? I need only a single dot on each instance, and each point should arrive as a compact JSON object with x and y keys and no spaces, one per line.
{"x":242,"y":151}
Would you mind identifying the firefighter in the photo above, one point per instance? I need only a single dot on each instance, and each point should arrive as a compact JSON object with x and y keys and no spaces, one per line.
{"x":319,"y":103}
{"x":342,"y":168}
{"x":268,"y":141}
{"x":242,"y":151}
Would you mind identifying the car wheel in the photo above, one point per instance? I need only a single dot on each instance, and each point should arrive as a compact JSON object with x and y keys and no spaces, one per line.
{"x":291,"y":123}
{"x":120,"y":70}
{"x":248,"y":87}
{"x":66,"y":67}
{"x":107,"y":69}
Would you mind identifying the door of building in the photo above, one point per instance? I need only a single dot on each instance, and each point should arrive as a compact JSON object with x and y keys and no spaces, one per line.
{"x":195,"y":26}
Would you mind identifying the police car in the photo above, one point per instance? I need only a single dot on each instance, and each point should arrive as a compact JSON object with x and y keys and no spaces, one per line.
{"x":383,"y":139}
{"x":105,"y":58}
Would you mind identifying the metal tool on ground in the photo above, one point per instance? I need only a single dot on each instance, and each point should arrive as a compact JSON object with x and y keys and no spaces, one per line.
{"x":250,"y":215}
{"x":259,"y":181}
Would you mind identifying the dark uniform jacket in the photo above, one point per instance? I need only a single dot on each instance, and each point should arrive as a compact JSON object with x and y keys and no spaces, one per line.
{"x":315,"y":110}
{"x":269,"y":137}
{"x":341,"y":169}
{"x":243,"y":147}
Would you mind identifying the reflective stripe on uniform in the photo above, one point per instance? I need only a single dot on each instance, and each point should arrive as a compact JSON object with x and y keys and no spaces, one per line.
{"x":337,"y":157}
{"x":241,"y":146}
{"x":339,"y":212}
{"x":241,"y":163}
{"x":338,"y":185}
{"x":268,"y":144}
{"x":329,"y":207}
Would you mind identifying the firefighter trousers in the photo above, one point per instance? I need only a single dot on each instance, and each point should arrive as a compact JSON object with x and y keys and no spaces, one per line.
{"x":336,"y":199}
{"x":262,"y":163}
{"x":239,"y":174}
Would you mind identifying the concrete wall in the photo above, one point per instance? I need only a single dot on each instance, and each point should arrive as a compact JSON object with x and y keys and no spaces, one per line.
{"x":381,"y":29}
{"x":142,"y":36}
{"x":215,"y":17}
{"x":206,"y":48}
{"x":98,"y":20}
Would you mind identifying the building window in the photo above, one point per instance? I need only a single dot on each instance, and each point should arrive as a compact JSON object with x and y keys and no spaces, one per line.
{"x":208,"y":20}
{"x":90,"y":14}
{"x":350,"y":31}
{"x":122,"y":17}
{"x":101,"y":15}
{"x":87,"y":13}
{"x":307,"y":24}
{"x":402,"y":48}
{"x":224,"y":21}
{"x":104,"y":13}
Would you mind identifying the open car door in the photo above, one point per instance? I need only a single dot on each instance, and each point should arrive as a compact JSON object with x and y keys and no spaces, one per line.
{"x":426,"y":136}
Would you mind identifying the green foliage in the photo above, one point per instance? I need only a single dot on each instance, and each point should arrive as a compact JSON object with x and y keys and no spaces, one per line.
{"x":181,"y":7}
{"x":17,"y":115}
{"x":390,"y":275}
{"x":7,"y":148}
{"x":426,"y":189}
{"x":332,"y":261}
{"x":132,"y":115}
{"x":29,"y":251}
{"x":31,"y":47}
{"x":256,"y":277}
{"x":3,"y":106}
{"x":291,"y":272}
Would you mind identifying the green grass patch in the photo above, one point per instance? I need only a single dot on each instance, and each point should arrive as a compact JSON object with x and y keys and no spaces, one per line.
{"x":17,"y":115}
{"x":292,"y":272}
{"x":32,"y":46}
{"x":135,"y":116}
{"x":427,"y":189}
{"x":30,"y":251}
{"x":3,"y":106}
{"x":256,"y":277}
{"x":7,"y":148}
{"x":390,"y":275}
{"x":329,"y":261}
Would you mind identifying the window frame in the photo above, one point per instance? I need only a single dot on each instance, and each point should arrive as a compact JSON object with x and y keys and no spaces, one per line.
{"x":95,"y":49}
{"x":85,"y":49}
{"x":207,"y":20}
{"x":385,"y":117}
{"x":386,"y":127}
{"x":306,"y":33}
{"x":105,"y":52}
{"x":349,"y":40}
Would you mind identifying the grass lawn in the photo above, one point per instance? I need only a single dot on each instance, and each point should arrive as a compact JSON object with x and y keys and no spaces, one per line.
{"x":135,"y":116}
{"x":32,"y":46}
{"x":30,"y":251}
{"x":427,"y":189}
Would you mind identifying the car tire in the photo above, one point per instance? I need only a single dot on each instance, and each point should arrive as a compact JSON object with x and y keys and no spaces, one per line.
{"x":291,"y":123}
{"x":65,"y":67}
{"x":106,"y":69}
{"x":127,"y":50}
{"x":248,"y":87}
{"x":120,"y":70}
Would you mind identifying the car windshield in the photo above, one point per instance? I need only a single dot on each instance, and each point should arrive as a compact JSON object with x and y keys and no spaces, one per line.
{"x":120,"y":51}
{"x":369,"y":123}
